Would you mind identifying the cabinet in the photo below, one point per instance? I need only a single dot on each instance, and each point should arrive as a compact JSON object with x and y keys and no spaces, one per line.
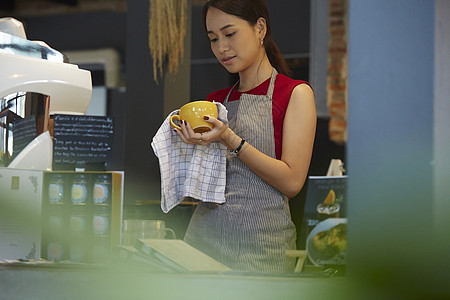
{"x":63,"y":215}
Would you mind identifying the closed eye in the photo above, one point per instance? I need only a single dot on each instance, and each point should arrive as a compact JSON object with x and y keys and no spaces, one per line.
{"x":230,"y":34}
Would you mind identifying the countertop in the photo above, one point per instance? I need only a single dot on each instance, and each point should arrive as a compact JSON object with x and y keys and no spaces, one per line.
{"x":130,"y":280}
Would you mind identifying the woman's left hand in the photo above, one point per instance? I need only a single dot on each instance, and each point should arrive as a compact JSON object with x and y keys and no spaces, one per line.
{"x":188,"y":135}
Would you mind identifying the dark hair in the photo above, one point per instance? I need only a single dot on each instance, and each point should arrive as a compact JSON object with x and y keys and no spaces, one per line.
{"x":251,"y":11}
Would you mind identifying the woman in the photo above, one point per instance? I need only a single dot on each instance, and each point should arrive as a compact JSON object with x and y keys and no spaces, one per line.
{"x":272,"y":121}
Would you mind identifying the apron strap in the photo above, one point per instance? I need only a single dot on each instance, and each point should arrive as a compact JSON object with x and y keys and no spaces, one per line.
{"x":229,"y":93}
{"x":272,"y":83}
{"x":269,"y":94}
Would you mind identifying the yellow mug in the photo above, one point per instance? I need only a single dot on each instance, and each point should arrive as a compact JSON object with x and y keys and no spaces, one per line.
{"x":193,"y":113}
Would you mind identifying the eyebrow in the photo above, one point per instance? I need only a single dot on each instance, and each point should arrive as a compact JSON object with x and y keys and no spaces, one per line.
{"x":221,"y":29}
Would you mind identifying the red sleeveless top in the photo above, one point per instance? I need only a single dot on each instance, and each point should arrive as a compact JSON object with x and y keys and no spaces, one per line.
{"x":280,"y":100}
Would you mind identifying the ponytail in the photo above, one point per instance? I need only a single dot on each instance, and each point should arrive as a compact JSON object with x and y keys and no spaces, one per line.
{"x":275,"y":57}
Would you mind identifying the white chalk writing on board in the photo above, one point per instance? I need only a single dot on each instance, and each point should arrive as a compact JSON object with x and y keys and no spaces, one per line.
{"x":82,"y":139}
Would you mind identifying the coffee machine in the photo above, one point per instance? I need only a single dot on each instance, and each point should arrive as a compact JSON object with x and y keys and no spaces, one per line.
{"x":36,"y":82}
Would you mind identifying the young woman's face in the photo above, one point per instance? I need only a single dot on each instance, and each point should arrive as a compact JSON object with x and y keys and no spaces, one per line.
{"x":235,"y":43}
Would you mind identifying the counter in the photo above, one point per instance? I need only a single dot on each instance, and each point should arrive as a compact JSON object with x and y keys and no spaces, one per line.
{"x":133,"y":281}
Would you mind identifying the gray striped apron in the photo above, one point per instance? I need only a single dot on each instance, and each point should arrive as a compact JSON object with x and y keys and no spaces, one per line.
{"x":253,"y":229}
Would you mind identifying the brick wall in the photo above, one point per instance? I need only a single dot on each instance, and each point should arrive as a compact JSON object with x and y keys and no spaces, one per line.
{"x":337,"y":70}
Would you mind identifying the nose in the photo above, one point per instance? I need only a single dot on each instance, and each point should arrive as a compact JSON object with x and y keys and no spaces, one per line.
{"x":223,"y":45}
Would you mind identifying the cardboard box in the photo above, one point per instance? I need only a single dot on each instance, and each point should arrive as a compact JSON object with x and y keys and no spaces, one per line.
{"x":20,"y":213}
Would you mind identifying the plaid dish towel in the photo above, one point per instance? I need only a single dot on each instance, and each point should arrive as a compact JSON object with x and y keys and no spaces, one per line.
{"x":187,"y":170}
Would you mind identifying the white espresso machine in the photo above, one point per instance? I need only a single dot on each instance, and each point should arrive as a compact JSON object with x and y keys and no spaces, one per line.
{"x":36,"y":82}
{"x":32,"y":68}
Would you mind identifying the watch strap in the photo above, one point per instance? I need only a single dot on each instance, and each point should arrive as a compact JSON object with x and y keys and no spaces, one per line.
{"x":236,"y":151}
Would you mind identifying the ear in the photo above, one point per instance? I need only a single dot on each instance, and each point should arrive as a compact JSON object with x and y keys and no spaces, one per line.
{"x":261,"y":26}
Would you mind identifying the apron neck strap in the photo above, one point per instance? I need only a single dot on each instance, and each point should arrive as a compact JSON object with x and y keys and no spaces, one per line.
{"x":229,"y":93}
{"x":269,"y":90}
{"x":272,"y":83}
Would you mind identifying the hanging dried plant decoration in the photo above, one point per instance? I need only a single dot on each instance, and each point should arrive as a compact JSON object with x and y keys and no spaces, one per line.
{"x":167,"y":29}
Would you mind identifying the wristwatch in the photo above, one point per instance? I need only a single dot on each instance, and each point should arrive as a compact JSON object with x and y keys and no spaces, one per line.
{"x":236,"y":151}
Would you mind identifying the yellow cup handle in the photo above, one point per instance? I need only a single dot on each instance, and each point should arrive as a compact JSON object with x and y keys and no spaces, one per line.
{"x":173,"y":124}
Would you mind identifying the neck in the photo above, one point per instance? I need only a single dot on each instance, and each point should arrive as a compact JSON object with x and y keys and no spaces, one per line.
{"x":255,"y":75}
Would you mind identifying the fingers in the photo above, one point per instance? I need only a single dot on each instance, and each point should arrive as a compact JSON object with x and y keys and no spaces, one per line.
{"x":211,"y":120}
{"x":181,"y":135}
{"x":188,"y":135}
{"x":218,"y":126}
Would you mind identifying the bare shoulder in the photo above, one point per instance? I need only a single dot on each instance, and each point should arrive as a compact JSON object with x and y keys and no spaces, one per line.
{"x":302,"y":91}
{"x":302,"y":98}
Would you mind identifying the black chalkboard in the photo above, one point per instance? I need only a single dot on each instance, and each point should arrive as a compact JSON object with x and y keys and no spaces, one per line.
{"x":24,"y":131}
{"x":82,"y":140}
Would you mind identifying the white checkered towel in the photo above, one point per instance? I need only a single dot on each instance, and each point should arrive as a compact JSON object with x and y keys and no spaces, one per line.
{"x":189,"y":170}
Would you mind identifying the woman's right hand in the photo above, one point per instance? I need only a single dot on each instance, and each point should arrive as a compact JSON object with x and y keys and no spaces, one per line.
{"x":219,"y":133}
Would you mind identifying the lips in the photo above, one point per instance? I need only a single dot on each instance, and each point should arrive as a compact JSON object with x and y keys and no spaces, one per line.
{"x":228,"y":60}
